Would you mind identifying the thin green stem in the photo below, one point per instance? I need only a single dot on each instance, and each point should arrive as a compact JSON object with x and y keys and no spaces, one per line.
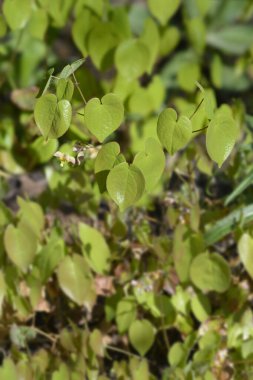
{"x":42,"y":333}
{"x":121,"y":351}
{"x":80,"y":91}
{"x":196,"y":109}
{"x":165,"y":337}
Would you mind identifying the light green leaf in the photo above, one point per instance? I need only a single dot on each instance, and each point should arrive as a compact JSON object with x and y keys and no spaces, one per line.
{"x":187,"y":76}
{"x":38,"y":24}
{"x":210,"y":272}
{"x":132,"y":58}
{"x":169,"y":40}
{"x":119,"y":18}
{"x":52,"y":117}
{"x":151,"y":162}
{"x":163,"y":10}
{"x":210,"y":103}
{"x":43,"y":150}
{"x":68,"y":70}
{"x":96,"y":342}
{"x":151,"y":38}
{"x":24,"y":370}
{"x":140,"y":132}
{"x":96,"y":6}
{"x":62,"y":373}
{"x":144,"y":100}
{"x":59,"y":11}
{"x":186,"y":245}
{"x":31,"y":215}
{"x":80,"y":29}
{"x":103,"y":118}
{"x":197,"y":33}
{"x":177,"y":355}
{"x":101,"y":41}
{"x":75,"y":281}
{"x":3,"y":26}
{"x":126,"y":313}
{"x":125,"y":184}
{"x":108,"y":156}
{"x":8,"y":370}
{"x":174,"y":134}
{"x":166,"y":309}
{"x":49,"y":257}
{"x":216,"y":69}
{"x":221,"y":135}
{"x":64,"y":89}
{"x":20,"y":247}
{"x":201,"y":307}
{"x":233,"y":39}
{"x":142,"y":336}
{"x":17,"y":12}
{"x":245,"y":249}
{"x":139,"y":369}
{"x":95,"y":248}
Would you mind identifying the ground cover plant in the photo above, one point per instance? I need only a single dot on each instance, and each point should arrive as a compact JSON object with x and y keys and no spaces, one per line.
{"x":126,"y":244}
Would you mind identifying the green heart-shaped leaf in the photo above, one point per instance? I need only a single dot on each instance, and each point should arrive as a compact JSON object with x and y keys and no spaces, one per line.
{"x":38,"y":23}
{"x":163,"y":10}
{"x":103,"y":118}
{"x":95,"y":248}
{"x":125,"y":184}
{"x":64,"y":89}
{"x":101,"y":41}
{"x":221,"y":135}
{"x":20,"y":246}
{"x":151,"y":162}
{"x":126,"y":313}
{"x":132,"y":58}
{"x":75,"y":281}
{"x":108,"y":156}
{"x":17,"y":12}
{"x":174,"y":134}
{"x":210,"y":272}
{"x":142,"y":336}
{"x":151,"y":38}
{"x":169,"y":40}
{"x":52,"y":117}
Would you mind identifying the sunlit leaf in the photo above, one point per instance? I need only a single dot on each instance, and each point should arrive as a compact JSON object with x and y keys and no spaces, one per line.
{"x":151,"y":162}
{"x":75,"y":281}
{"x":95,"y":248}
{"x":132,"y":58}
{"x":163,"y":10}
{"x":142,"y":335}
{"x":221,"y":135}
{"x":52,"y":117}
{"x":17,"y":12}
{"x":64,"y":89}
{"x":173,"y":133}
{"x":20,"y":247}
{"x":103,"y":118}
{"x":210,"y":272}
{"x":125,"y":184}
